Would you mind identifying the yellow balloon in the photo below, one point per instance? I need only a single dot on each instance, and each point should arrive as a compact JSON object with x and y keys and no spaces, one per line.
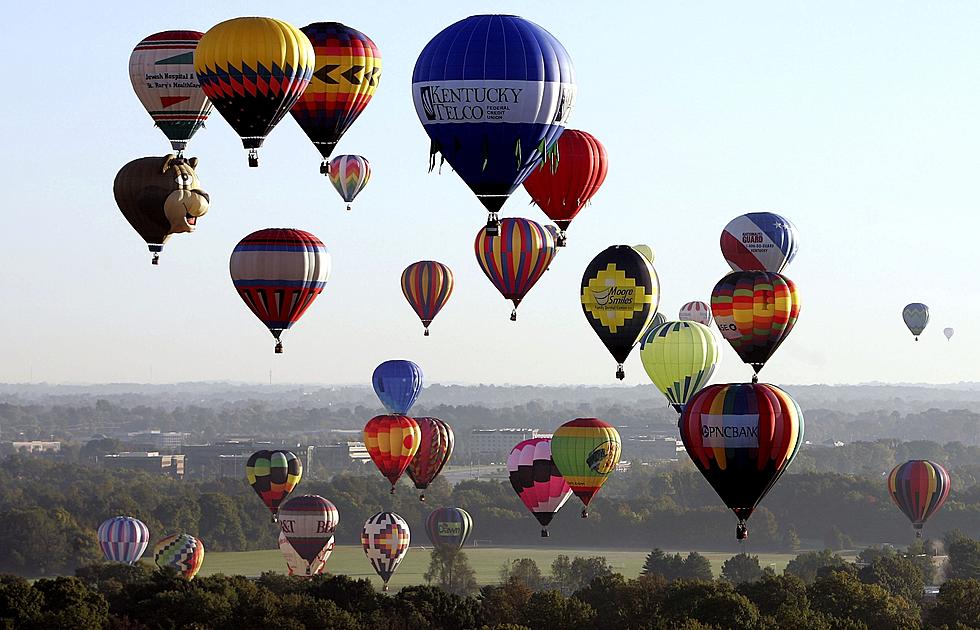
{"x":679,"y":358}
{"x":647,"y":252}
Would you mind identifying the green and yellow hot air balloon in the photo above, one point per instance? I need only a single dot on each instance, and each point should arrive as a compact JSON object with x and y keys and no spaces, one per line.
{"x":679,"y":358}
{"x":586,"y":451}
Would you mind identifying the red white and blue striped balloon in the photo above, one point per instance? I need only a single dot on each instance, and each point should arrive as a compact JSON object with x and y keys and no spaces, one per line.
{"x":759,"y":241}
{"x":123,"y":539}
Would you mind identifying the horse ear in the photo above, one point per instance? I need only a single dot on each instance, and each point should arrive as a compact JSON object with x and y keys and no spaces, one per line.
{"x":167,"y":159}
{"x":193,"y":162}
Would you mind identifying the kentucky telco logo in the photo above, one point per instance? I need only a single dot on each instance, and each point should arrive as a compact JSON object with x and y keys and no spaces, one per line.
{"x":613,"y":298}
{"x":449,"y":530}
{"x":443,"y":103}
{"x":603,"y":458}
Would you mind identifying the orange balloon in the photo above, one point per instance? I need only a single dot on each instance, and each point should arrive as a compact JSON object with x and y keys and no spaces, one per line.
{"x":392,"y":442}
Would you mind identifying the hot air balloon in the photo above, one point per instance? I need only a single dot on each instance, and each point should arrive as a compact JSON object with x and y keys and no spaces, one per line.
{"x":494,"y":93}
{"x":385,"y":539}
{"x":759,"y":241}
{"x":679,"y":358}
{"x":948,"y":332}
{"x":392,"y":442}
{"x":295,"y":565}
{"x":755,"y":311}
{"x":620,"y":294}
{"x":516,"y":258}
{"x":435,"y":448}
{"x":916,"y":316}
{"x":309,"y":522}
{"x":123,"y":539}
{"x":348,"y":69}
{"x":181,"y":552}
{"x":349,"y":174}
{"x":160,"y":196}
{"x":742,"y":437}
{"x":397,"y":383}
{"x":561,"y":187}
{"x":253,"y":69}
{"x":161,"y":69}
{"x":657,"y":320}
{"x":273,"y":475}
{"x":647,"y":252}
{"x":586,"y":451}
{"x":536,"y":480}
{"x":278,"y":273}
{"x":696,"y":312}
{"x":448,"y":527}
{"x":919,"y":488}
{"x":427,"y":285}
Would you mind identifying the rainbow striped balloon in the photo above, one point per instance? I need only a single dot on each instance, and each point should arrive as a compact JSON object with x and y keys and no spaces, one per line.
{"x":349,"y":174}
{"x":515,"y":259}
{"x":123,"y":539}
{"x":919,"y":488}
{"x":427,"y":285}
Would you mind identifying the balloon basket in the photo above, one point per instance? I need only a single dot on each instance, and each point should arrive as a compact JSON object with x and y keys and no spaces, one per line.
{"x":278,"y":347}
{"x":620,"y":373}
{"x":426,"y":333}
{"x":513,"y":315}
{"x":155,"y":260}
{"x":585,"y":512}
{"x":741,"y":532}
{"x":544,"y":533}
{"x":253,"y":158}
{"x":324,"y":168}
{"x":421,"y":497}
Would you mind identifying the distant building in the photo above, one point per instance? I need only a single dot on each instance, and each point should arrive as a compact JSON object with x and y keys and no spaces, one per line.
{"x":148,"y":461}
{"x":222,"y":459}
{"x":648,"y":449}
{"x":162,"y":440}
{"x":340,"y":456}
{"x":34,"y":446}
{"x":496,"y":444}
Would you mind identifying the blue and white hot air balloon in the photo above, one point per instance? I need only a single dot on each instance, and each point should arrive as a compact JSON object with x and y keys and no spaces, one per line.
{"x":397,"y":383}
{"x":123,"y":539}
{"x":759,"y":241}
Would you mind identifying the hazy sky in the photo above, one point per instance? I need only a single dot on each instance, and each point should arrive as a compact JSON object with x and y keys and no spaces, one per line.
{"x":859,"y":121}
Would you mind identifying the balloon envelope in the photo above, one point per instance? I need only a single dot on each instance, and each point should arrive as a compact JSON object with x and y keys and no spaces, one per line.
{"x":696,"y":311}
{"x":295,"y":565}
{"x":755,"y":312}
{"x":273,"y":475}
{"x":742,"y":437}
{"x":308,"y":522}
{"x":918,"y":487}
{"x":536,"y":480}
{"x":392,"y":442}
{"x":385,"y":540}
{"x":948,"y":332}
{"x":586,"y":451}
{"x":435,"y":448}
{"x":620,"y":293}
{"x":427,"y":285}
{"x":123,"y":539}
{"x":347,"y":69}
{"x":679,"y":357}
{"x":759,"y":241}
{"x":349,"y":174}
{"x":448,"y":527}
{"x":493,"y":93}
{"x":161,"y":70}
{"x":181,"y":552}
{"x":397,"y":383}
{"x":515,"y":259}
{"x":916,"y":317}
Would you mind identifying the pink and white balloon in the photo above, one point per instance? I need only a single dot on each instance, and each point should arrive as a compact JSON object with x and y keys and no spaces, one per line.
{"x":696,"y":312}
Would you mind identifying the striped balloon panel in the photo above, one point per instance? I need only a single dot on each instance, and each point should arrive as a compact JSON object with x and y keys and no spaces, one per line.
{"x":436,"y":441}
{"x":759,"y":241}
{"x":346,"y":75}
{"x":515,"y":259}
{"x":349,"y":174}
{"x":916,"y":317}
{"x":398,"y":383}
{"x":448,"y":527}
{"x":742,"y":437}
{"x":494,"y":93}
{"x":679,"y":357}
{"x":254,"y":69}
{"x":181,"y":552}
{"x":385,"y":540}
{"x":536,"y":479}
{"x":586,"y":451}
{"x":273,"y":475}
{"x":696,"y":312}
{"x":918,"y":487}
{"x":309,"y":522}
{"x":427,"y":285}
{"x":755,"y":311}
{"x":123,"y":539}
{"x":562,"y":186}
{"x":295,"y":565}
{"x":392,"y":442}
{"x":278,"y":273}
{"x":161,"y":70}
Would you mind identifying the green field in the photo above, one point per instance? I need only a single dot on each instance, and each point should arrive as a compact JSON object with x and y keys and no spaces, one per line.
{"x":486,"y":561}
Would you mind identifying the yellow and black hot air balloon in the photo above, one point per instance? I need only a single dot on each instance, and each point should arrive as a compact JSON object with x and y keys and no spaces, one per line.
{"x":254,"y":69}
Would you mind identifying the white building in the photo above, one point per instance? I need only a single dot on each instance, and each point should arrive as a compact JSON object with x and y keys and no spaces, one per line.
{"x":495,"y":442}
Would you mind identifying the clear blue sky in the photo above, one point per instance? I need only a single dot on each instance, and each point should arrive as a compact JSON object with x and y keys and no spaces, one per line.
{"x":856,"y":120}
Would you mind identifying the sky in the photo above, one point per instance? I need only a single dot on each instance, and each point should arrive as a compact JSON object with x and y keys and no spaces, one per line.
{"x":858,"y":121}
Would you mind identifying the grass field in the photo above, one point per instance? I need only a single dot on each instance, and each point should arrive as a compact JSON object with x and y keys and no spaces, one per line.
{"x":486,"y":561}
